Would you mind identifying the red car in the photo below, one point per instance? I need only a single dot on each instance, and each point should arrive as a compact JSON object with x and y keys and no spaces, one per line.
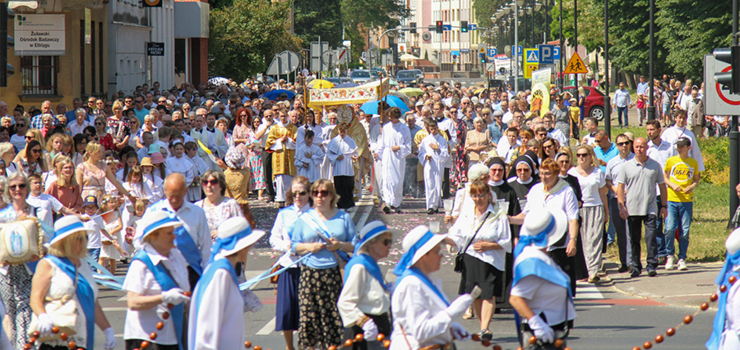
{"x":594,"y":101}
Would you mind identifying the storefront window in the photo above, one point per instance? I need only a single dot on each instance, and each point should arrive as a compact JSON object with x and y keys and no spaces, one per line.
{"x":39,"y":74}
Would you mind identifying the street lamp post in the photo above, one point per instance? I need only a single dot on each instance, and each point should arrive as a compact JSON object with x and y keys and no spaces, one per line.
{"x":516,"y":5}
{"x":560,"y":75}
{"x":607,"y":107}
{"x":651,"y":105}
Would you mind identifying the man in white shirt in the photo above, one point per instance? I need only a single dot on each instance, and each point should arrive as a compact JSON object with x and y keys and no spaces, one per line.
{"x":679,"y":130}
{"x":553,"y":132}
{"x":505,"y":148}
{"x":79,"y":124}
{"x":199,"y":133}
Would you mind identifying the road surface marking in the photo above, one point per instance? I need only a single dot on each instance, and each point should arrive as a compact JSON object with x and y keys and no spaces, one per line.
{"x":268,"y":328}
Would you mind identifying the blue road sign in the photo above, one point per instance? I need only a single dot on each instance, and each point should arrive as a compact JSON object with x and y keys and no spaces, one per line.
{"x":492,"y":52}
{"x":519,"y":50}
{"x":472,"y":26}
{"x":546,"y":54}
{"x":556,"y":52}
{"x":464,"y":50}
{"x":456,"y":53}
{"x":447,"y":27}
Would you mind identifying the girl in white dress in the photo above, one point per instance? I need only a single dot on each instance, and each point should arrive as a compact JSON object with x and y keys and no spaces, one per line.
{"x":111,"y":251}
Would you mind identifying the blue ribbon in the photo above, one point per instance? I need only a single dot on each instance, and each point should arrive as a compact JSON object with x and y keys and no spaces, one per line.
{"x":370,"y":235}
{"x":539,"y":240}
{"x":200,"y":291}
{"x":370,"y":265}
{"x":152,"y":226}
{"x":63,"y":230}
{"x":228,"y":243}
{"x":412,"y":271}
{"x":407,"y":257}
{"x":85,"y":295}
{"x":719,"y":320}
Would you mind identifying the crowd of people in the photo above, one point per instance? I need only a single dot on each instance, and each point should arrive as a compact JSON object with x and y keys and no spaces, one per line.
{"x":162,"y":180}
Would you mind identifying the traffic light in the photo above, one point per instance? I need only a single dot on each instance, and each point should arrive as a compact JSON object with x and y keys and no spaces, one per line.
{"x":412,"y":30}
{"x":439,"y":28}
{"x":729,"y":79}
{"x":463,"y":26}
{"x":6,"y":42}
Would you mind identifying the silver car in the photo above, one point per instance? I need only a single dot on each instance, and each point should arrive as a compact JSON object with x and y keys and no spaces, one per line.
{"x":361,"y":76}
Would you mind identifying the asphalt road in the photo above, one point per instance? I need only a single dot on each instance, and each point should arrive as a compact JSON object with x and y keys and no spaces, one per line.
{"x":607,"y":319}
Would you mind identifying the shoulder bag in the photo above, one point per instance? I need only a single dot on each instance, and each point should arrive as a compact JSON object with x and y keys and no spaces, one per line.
{"x":459,"y":257}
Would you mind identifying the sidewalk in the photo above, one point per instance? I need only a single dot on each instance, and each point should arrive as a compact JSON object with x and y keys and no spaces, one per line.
{"x":688,"y":288}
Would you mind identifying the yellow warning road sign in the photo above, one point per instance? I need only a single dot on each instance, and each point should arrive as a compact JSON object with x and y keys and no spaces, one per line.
{"x":528,"y":69}
{"x":575,"y":65}
{"x":482,"y":50}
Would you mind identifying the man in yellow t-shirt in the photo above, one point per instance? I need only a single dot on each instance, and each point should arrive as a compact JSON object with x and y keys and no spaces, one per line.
{"x":681,"y":178}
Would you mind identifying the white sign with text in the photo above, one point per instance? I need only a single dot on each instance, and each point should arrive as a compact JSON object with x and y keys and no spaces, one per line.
{"x":39,"y":35}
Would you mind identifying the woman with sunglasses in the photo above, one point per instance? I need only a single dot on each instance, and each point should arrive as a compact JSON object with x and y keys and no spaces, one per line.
{"x":365,"y":299}
{"x":15,"y":279}
{"x":217,"y":206}
{"x":7,"y":154}
{"x":92,"y":173}
{"x":594,"y":211}
{"x":134,"y":132}
{"x":102,"y":135}
{"x":483,"y":236}
{"x":21,"y":127}
{"x":328,"y":234}
{"x":31,"y":161}
{"x":298,"y":202}
{"x":119,"y":126}
{"x":549,"y":148}
{"x":242,"y":130}
{"x":237,"y":180}
{"x":561,"y":116}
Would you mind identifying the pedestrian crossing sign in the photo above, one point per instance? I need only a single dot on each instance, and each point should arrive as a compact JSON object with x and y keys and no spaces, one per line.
{"x":575,"y":65}
{"x":531,"y":55}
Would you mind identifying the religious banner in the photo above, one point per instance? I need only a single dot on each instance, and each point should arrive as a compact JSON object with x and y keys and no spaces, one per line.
{"x":541,"y":91}
{"x":341,"y":96}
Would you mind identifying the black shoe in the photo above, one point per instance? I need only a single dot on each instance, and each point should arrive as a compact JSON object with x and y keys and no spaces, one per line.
{"x":386,"y":209}
{"x":485,"y":335}
{"x":623,"y":269}
{"x":635,"y":273}
{"x":396,"y":210}
{"x":652,"y":272}
{"x":430,"y":211}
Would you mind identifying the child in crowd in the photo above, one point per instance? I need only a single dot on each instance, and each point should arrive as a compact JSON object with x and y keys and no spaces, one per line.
{"x":641,"y":104}
{"x":111,"y":251}
{"x":131,"y":225}
{"x":194,"y":190}
{"x":96,"y":225}
{"x":46,"y":204}
{"x":308,"y":158}
{"x":433,"y":154}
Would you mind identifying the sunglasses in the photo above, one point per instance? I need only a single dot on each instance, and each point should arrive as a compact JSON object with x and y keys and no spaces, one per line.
{"x":579,"y":155}
{"x":387,"y":242}
{"x":21,"y":125}
{"x":300,"y":194}
{"x":17,"y":187}
{"x":29,"y":137}
{"x":322,"y":193}
{"x":212,"y":182}
{"x":623,"y":143}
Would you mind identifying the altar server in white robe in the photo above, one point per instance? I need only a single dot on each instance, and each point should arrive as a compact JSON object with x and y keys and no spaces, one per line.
{"x":309,"y":157}
{"x":342,"y":152}
{"x":178,"y":163}
{"x":422,"y":314}
{"x":433,"y":155}
{"x":373,"y":140}
{"x":217,"y":312}
{"x":199,"y":168}
{"x":327,"y":169}
{"x":393,"y":147}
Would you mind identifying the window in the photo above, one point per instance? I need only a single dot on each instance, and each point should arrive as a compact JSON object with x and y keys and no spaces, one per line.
{"x":39,"y":75}
{"x":92,"y":56}
{"x":83,"y":86}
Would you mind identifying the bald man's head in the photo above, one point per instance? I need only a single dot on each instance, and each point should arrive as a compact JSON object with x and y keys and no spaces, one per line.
{"x":175,"y":189}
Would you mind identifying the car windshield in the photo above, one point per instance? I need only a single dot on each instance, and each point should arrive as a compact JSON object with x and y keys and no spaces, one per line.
{"x":360,"y":74}
{"x":406,"y":74}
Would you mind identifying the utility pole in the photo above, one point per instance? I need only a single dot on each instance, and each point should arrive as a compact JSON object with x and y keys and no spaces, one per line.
{"x":562,"y":52}
{"x":607,"y":106}
{"x":734,"y":134}
{"x":651,"y":105}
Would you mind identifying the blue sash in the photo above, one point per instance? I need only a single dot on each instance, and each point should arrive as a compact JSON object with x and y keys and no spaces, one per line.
{"x":287,"y":214}
{"x":312,"y":220}
{"x":85,"y":295}
{"x":719,"y":320}
{"x":539,"y":268}
{"x":412,"y":271}
{"x":188,"y":248}
{"x":166,"y":282}
{"x":370,"y":265}
{"x":200,"y":291}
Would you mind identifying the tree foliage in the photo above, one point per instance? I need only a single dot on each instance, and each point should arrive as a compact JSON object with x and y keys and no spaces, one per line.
{"x":685,"y":30}
{"x":318,"y":18}
{"x":246,"y":35}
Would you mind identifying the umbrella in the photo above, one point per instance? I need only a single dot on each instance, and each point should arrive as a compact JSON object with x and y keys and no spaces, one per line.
{"x":218,"y":81}
{"x":273,"y":94}
{"x":392,"y":82}
{"x":408,"y":57}
{"x":371,"y":107}
{"x":412,"y":91}
{"x":347,"y":85}
{"x":403,"y":97}
{"x":320,"y":84}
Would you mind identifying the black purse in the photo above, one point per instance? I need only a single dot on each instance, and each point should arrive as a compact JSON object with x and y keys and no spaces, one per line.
{"x":459,"y":257}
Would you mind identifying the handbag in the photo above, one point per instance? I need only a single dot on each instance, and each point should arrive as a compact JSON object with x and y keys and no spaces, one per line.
{"x":274,"y":279}
{"x":459,"y":257}
{"x":63,"y":313}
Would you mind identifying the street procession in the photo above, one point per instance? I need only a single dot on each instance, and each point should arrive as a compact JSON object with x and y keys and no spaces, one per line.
{"x":433,"y":175}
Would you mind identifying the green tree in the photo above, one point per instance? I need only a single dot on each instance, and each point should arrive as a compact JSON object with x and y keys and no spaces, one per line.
{"x":318,"y":18}
{"x":359,"y":15}
{"x":590,"y":23}
{"x":690,"y":29}
{"x":245,"y":36}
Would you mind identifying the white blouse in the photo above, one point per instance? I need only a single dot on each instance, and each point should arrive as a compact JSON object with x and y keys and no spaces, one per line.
{"x":181,"y":165}
{"x":362,"y":294}
{"x":140,"y":323}
{"x":495,"y":229}
{"x":280,"y":237}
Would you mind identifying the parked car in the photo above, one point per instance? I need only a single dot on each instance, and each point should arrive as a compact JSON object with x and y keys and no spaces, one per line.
{"x":335,"y":81}
{"x":361,"y":76}
{"x":524,"y":84}
{"x":418,"y":72}
{"x":594,"y":101}
{"x":409,"y":78}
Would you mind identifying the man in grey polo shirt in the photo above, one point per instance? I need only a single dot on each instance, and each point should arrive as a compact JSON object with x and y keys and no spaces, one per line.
{"x":619,"y":225}
{"x":636,"y":196}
